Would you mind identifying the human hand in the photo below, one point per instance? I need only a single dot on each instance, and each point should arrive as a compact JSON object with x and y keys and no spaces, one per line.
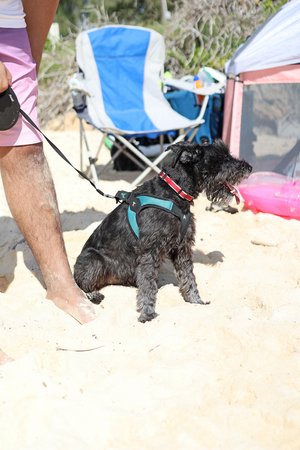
{"x":5,"y":78}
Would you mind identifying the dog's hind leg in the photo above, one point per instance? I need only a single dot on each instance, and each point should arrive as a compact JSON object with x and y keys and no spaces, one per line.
{"x":147,"y":274}
{"x":182,"y":260}
{"x":88,"y":274}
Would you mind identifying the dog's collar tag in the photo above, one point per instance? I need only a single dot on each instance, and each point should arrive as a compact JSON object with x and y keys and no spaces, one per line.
{"x":175,"y":186}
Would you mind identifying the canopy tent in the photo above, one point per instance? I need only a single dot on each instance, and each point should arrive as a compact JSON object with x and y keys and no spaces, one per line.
{"x":262,"y":107}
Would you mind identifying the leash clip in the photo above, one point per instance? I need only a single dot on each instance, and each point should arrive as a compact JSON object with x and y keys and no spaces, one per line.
{"x":122,"y":196}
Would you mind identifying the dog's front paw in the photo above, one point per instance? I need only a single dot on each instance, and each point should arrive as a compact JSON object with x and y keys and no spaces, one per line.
{"x":95,"y":297}
{"x":146,"y":316}
{"x":198,"y":301}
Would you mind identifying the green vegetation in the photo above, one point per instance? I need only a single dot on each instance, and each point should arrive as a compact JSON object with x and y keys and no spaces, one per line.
{"x":72,"y":15}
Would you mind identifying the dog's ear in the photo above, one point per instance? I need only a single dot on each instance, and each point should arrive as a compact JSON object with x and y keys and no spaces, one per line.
{"x":185,"y":152}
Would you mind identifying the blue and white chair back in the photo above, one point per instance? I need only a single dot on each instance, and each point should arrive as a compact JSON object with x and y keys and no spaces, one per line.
{"x":122,"y":66}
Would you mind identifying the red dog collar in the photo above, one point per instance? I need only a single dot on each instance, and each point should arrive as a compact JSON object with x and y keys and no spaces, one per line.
{"x":175,"y":186}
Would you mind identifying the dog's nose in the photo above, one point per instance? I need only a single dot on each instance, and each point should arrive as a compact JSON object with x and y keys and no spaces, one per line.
{"x":246,"y":166}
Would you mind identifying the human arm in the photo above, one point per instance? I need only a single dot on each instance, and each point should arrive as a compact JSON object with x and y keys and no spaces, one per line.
{"x":39,"y":17}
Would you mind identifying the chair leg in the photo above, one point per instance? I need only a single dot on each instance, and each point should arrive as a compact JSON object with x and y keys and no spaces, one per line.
{"x":139,"y":154}
{"x":133,"y":159}
{"x":148,"y":170}
{"x":100,"y":146}
{"x":161,"y":143}
{"x":156,"y":161}
{"x":102,"y":169}
{"x":91,"y":168}
{"x":81,"y":131}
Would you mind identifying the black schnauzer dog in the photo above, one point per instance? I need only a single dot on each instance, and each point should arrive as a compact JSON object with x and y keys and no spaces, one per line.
{"x":154,"y":222}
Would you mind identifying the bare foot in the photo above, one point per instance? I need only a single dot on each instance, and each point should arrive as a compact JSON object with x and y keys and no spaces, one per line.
{"x":4,"y":358}
{"x":75,"y":304}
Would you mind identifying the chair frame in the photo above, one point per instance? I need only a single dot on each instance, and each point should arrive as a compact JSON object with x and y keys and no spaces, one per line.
{"x":184,"y":126}
{"x":138,"y":155}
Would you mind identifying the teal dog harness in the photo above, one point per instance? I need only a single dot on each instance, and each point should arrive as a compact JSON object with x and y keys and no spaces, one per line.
{"x":136,"y":203}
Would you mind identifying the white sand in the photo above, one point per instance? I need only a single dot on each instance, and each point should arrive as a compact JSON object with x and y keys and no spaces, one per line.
{"x":219,"y":377}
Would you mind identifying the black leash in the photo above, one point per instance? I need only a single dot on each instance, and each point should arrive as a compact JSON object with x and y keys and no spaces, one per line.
{"x":9,"y":114}
{"x":133,"y":202}
{"x":59,"y":152}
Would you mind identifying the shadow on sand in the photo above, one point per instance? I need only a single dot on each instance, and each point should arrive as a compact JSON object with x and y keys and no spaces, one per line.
{"x":12,"y":241}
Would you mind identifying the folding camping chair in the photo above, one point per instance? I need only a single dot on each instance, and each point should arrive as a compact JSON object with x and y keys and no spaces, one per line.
{"x":118,"y":90}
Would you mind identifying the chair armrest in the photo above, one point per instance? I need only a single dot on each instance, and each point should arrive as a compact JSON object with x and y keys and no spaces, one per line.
{"x":77,"y":83}
{"x":208,"y":89}
{"x":187,"y":83}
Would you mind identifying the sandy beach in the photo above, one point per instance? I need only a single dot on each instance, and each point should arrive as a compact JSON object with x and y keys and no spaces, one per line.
{"x":220,"y":377}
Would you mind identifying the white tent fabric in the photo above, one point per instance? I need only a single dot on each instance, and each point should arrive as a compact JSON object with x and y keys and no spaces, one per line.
{"x":276,"y":43}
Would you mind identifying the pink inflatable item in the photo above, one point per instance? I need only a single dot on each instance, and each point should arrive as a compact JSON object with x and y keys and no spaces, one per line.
{"x":272,"y":193}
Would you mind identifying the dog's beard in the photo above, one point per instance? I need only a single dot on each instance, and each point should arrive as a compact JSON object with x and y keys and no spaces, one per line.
{"x":224,"y":194}
{"x":222,"y":190}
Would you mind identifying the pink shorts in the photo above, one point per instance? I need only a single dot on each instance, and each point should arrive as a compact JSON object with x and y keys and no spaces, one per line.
{"x":15,"y":53}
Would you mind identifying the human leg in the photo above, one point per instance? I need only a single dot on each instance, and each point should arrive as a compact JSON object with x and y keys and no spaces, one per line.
{"x":28,"y":184}
{"x":31,"y":197}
